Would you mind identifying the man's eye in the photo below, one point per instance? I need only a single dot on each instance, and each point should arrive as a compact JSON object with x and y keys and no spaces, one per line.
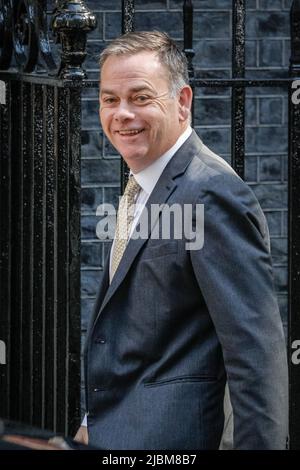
{"x":109,"y":100}
{"x":141,"y":98}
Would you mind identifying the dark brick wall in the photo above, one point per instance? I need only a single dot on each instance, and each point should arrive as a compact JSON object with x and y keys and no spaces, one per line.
{"x":267,"y":55}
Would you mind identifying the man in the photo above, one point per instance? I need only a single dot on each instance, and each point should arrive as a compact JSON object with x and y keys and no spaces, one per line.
{"x":172,"y":323}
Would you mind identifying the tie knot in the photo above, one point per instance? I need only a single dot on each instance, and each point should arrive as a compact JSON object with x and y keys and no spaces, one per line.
{"x":132,"y":187}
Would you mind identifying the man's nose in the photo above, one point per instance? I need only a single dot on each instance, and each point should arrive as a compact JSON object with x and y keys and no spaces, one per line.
{"x":124,"y":112}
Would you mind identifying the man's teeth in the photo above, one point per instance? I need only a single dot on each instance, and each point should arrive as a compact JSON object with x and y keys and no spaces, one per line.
{"x":131,"y":132}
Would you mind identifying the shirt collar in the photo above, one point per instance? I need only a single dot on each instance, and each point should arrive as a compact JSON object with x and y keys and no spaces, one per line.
{"x":148,"y":177}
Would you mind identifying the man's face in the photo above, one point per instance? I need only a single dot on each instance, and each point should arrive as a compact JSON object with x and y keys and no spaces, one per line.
{"x":136,"y":111}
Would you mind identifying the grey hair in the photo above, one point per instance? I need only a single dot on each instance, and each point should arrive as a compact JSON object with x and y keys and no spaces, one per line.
{"x":167,"y":51}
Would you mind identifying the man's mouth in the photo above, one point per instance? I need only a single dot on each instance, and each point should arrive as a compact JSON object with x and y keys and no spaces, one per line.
{"x":130,"y":131}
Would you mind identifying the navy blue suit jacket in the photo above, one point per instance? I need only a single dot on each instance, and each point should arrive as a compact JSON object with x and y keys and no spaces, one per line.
{"x":174,"y":324}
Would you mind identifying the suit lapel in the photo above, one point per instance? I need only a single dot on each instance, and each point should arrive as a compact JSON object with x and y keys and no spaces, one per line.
{"x":161,"y":193}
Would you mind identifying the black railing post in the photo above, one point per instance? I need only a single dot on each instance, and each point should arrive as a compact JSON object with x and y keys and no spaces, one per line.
{"x":72,"y":21}
{"x":5,"y":251}
{"x":238,"y":93}
{"x":127,"y":16}
{"x":188,"y":14}
{"x":294,"y":228}
{"x":27,"y":252}
{"x":127,"y":27}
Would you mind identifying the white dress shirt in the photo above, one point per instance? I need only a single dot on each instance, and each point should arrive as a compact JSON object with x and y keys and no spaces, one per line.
{"x":147,"y":180}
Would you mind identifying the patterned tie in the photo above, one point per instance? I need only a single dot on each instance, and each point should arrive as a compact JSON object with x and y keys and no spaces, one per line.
{"x":124,"y":222}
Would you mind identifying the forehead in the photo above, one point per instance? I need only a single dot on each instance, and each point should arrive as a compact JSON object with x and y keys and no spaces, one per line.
{"x":133,"y":70}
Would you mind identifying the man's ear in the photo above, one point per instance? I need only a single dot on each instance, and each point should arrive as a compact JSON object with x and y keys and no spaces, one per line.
{"x":185,"y":102}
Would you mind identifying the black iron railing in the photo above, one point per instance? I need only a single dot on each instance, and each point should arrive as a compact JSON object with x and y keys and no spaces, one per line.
{"x":294,"y":228}
{"x":40,"y":144}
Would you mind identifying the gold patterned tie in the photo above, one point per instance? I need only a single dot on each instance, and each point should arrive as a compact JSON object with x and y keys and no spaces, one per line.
{"x":124,"y":222}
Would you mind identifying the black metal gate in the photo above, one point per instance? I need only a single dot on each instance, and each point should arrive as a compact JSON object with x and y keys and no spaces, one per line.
{"x":39,"y":205}
{"x":40,"y":213}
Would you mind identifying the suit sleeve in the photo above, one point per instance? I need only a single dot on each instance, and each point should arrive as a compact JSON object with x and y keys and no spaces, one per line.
{"x":234,"y":273}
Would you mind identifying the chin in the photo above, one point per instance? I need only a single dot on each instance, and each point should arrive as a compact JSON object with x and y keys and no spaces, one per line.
{"x":134,"y":159}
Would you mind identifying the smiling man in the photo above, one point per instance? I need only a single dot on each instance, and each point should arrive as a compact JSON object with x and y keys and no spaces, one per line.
{"x":138,"y":113}
{"x":171,"y":326}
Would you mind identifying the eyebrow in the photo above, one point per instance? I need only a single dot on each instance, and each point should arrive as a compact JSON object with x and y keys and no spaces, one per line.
{"x":107,"y":91}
